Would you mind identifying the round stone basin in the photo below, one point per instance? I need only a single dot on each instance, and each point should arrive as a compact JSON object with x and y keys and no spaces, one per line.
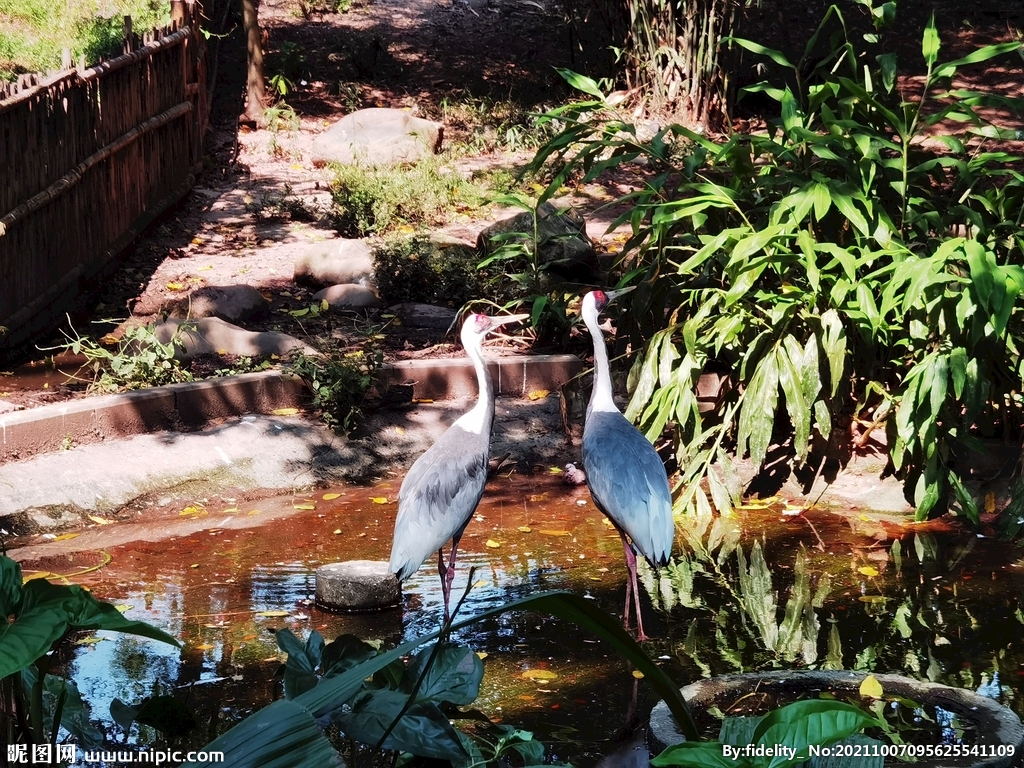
{"x":996,"y":726}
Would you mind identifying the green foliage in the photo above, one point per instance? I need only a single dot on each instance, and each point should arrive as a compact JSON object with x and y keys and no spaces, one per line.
{"x":342,"y":384}
{"x":136,"y":360}
{"x":415,"y":268}
{"x":481,"y":124}
{"x":37,"y":616}
{"x":797,"y":726}
{"x":373,"y":693}
{"x":378,"y":200}
{"x":840,"y":265}
{"x":33,"y":33}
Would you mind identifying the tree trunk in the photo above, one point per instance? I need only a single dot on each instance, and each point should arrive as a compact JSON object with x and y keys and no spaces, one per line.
{"x":255,"y":86}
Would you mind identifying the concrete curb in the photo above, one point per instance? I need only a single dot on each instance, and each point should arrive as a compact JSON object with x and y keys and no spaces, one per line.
{"x":188,"y":406}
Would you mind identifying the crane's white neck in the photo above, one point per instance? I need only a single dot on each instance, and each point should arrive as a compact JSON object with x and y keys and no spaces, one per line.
{"x":601,"y":398}
{"x":479,"y":418}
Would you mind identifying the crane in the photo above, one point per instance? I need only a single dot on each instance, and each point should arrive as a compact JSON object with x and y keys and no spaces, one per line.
{"x":625,"y":475}
{"x":443,"y":487}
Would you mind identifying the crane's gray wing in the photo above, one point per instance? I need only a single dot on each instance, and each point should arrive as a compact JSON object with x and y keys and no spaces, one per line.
{"x":438,"y":498}
{"x":628,"y":482}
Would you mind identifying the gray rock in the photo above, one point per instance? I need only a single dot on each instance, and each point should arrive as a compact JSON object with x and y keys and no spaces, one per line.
{"x":233,"y":303}
{"x":357,"y":585}
{"x":562,"y":241}
{"x":377,"y":136}
{"x":335,"y":262}
{"x":348,"y":298}
{"x":6,"y":407}
{"x":416,"y":315}
{"x":212,"y":335}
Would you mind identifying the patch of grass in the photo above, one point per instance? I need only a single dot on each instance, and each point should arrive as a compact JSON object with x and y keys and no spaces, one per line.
{"x":343,"y":383}
{"x":33,"y":32}
{"x":284,"y":205}
{"x":379,"y":200}
{"x":488,"y":125}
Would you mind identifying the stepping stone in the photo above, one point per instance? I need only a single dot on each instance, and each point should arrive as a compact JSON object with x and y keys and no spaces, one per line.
{"x":416,"y":315}
{"x":233,"y":303}
{"x":357,"y":585}
{"x":348,"y":298}
{"x":377,"y":136}
{"x":211,"y":335}
{"x":335,"y":262}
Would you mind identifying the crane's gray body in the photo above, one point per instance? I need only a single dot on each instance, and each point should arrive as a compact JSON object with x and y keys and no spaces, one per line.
{"x":439,"y":495}
{"x":628,"y":483}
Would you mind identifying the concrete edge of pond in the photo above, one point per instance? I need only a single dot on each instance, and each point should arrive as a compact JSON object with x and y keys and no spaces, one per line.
{"x":191,"y":405}
{"x":997,"y":725}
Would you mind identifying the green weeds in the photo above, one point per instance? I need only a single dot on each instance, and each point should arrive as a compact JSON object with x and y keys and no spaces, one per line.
{"x":342,"y":384}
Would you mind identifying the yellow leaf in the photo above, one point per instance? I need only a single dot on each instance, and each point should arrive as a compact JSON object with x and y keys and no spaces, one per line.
{"x":538,"y":394}
{"x":990,"y":503}
{"x":595,"y":578}
{"x":539,"y":675}
{"x":555,"y":470}
{"x":89,"y":640}
{"x":330,"y":496}
{"x":867,"y":570}
{"x":252,"y":512}
{"x":194,"y":565}
{"x":100,"y":520}
{"x":206,"y":268}
{"x":175,"y":287}
{"x":482,"y":654}
{"x":193,"y":510}
{"x":422,"y":400}
{"x":870,"y":687}
{"x":525,"y":528}
{"x":65,"y":536}
{"x":123,"y":607}
{"x":285,"y":411}
{"x":271,"y":614}
{"x":493,"y":544}
{"x":229,"y":510}
{"x":303,"y":506}
{"x":337,"y":531}
{"x":399,"y":431}
{"x":872,"y":599}
{"x":109,"y":339}
{"x":205,"y":647}
{"x":555,"y":533}
{"x":638,"y":674}
{"x":379,"y":499}
{"x":324,"y":305}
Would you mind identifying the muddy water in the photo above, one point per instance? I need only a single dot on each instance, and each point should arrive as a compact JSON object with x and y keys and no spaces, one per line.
{"x":941,"y":604}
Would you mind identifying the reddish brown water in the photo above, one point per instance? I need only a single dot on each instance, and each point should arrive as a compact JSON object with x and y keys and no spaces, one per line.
{"x":951,"y":612}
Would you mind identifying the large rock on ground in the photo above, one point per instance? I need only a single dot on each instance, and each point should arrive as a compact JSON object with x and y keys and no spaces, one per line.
{"x":562,"y":241}
{"x":377,"y":137}
{"x":234,"y":303}
{"x":335,"y":262}
{"x":211,"y":335}
{"x":348,"y":298}
{"x":416,"y":315}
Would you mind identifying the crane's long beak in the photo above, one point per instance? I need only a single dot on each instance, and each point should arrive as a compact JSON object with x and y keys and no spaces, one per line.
{"x":613,"y":295}
{"x":506,"y":319}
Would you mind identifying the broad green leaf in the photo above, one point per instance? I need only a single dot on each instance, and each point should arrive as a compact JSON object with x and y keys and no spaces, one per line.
{"x":887,"y":62}
{"x":982,"y":54}
{"x":799,"y":410}
{"x":10,"y":586}
{"x":930,"y":42}
{"x":753,"y":47}
{"x":282,"y":735}
{"x":757,"y":415}
{"x":424,"y":730}
{"x":580,"y":82}
{"x":811,"y":722}
{"x":694,"y":754}
{"x":958,"y":370}
{"x":453,"y":677}
{"x":822,"y":418}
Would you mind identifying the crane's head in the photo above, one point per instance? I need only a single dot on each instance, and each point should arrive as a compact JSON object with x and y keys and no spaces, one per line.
{"x":477,"y":326}
{"x":595,"y":302}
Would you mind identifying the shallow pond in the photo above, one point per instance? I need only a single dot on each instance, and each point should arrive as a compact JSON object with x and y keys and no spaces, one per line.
{"x":760,"y":589}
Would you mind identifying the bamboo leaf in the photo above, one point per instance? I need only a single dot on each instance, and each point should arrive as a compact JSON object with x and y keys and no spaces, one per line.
{"x":757,"y":416}
{"x":930,"y":42}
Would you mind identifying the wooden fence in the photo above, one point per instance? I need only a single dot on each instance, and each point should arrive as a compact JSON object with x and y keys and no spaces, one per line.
{"x":88,"y":158}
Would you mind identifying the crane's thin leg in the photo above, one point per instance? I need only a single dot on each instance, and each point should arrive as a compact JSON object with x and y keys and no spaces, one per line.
{"x":629,"y":582}
{"x":445,"y":583}
{"x":633,"y":582}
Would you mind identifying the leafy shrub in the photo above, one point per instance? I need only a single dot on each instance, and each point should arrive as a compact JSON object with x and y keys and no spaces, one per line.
{"x":379,"y":200}
{"x":342,"y":384}
{"x":414,"y":268}
{"x":841,"y":258}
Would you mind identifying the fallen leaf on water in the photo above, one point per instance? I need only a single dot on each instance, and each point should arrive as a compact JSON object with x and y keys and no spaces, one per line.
{"x":205,"y":647}
{"x":492,"y":544}
{"x":872,"y":598}
{"x":123,"y":607}
{"x":538,"y":394}
{"x":555,"y":533}
{"x":330,"y":496}
{"x":303,"y":506}
{"x":65,"y":536}
{"x":638,"y":674}
{"x":89,"y":640}
{"x":285,"y":411}
{"x":271,"y":614}
{"x":482,"y":654}
{"x":379,"y":499}
{"x":867,"y":570}
{"x":525,"y":528}
{"x":870,"y":687}
{"x":100,"y":520}
{"x":538,"y":674}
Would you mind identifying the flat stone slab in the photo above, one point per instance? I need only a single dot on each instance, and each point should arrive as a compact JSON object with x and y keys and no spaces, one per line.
{"x":233,"y":303}
{"x":357,"y":585}
{"x":377,"y":136}
{"x":211,"y":335}
{"x":335,"y":262}
{"x":417,"y":315}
